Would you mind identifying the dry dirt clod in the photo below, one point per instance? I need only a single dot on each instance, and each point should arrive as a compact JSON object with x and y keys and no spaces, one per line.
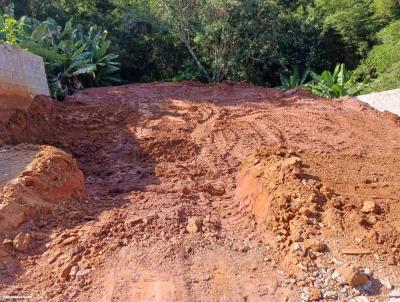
{"x":315,"y":294}
{"x":4,"y":251}
{"x":371,"y":220}
{"x":22,"y":242}
{"x":149,"y":218}
{"x":8,"y":243}
{"x":54,"y":257}
{"x":369,"y":206}
{"x":194,"y":225}
{"x":65,"y":271}
{"x":316,"y":246}
{"x":83,"y":272}
{"x":69,"y":240}
{"x":352,"y":275}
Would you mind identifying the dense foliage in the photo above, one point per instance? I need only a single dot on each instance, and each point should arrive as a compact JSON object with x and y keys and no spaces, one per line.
{"x":260,"y":41}
{"x":334,"y":85}
{"x":73,"y":59}
{"x":383,"y":62}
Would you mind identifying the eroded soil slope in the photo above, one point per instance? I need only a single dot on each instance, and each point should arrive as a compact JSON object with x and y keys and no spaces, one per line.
{"x":217,"y":193}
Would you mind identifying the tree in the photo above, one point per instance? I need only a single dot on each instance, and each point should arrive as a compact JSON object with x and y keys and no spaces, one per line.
{"x":354,"y":20}
{"x":383,"y":61}
{"x":239,"y":40}
{"x":203,"y":28}
{"x":387,"y":10}
{"x":229,"y":39}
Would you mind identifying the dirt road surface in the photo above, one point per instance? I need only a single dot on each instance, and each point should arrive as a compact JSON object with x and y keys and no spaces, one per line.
{"x":223,"y":192}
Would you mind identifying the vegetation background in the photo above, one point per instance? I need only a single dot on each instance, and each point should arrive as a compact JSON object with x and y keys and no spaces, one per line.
{"x":267,"y":42}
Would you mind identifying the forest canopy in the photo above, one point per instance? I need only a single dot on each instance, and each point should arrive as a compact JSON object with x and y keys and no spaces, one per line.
{"x":259,"y":41}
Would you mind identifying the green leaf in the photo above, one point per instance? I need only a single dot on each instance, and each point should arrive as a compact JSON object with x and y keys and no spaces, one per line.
{"x":102,"y":51}
{"x":67,"y":29}
{"x":79,"y":50}
{"x":40,"y":32}
{"x":83,"y":56}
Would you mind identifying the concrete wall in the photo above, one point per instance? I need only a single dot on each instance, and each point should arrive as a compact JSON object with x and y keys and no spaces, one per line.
{"x":22,"y":77}
{"x":386,"y":100}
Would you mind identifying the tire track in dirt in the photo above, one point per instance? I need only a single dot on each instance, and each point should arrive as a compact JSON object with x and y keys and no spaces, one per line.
{"x":159,"y":155}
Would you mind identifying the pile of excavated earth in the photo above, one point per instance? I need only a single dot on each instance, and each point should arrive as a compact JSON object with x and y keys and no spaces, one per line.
{"x":195,"y":192}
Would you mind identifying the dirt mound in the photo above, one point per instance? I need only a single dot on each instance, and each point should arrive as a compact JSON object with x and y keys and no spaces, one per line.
{"x":314,"y":208}
{"x":275,"y":185}
{"x":188,"y":201}
{"x":50,"y":177}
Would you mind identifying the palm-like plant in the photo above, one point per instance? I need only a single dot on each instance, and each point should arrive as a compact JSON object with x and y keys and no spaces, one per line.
{"x":341,"y":83}
{"x":73,"y":58}
{"x":296,"y":79}
{"x":106,"y":64}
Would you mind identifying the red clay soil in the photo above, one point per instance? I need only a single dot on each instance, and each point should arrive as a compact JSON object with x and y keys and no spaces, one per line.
{"x":46,"y":176}
{"x":223,"y":192}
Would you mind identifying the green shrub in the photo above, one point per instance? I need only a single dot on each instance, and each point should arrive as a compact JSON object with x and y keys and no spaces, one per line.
{"x":73,"y":58}
{"x":334,"y":85}
{"x":11,"y":31}
{"x":296,"y":79}
{"x":383,"y":62}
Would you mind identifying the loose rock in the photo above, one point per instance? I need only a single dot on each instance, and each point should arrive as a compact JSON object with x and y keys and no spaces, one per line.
{"x":296,"y":247}
{"x":316,"y":246}
{"x":386,"y":283}
{"x":315,"y":294}
{"x":22,"y":242}
{"x":149,"y":218}
{"x":371,"y":220}
{"x":330,"y":295}
{"x":352,"y":275}
{"x":8,"y":243}
{"x":74,"y":270}
{"x":193,"y":225}
{"x":360,"y":299}
{"x":369,"y":206}
{"x":394,"y":293}
{"x":65,"y":271}
{"x":337,"y":276}
{"x":54,"y":257}
{"x":83,"y":272}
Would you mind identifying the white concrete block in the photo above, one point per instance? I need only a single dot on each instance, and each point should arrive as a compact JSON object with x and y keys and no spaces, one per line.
{"x":22,"y":77}
{"x":386,"y":100}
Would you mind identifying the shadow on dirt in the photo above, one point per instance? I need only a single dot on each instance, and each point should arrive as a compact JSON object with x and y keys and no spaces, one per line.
{"x":98,"y":136}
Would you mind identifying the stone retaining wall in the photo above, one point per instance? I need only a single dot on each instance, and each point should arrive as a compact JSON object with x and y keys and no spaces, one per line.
{"x":22,"y":77}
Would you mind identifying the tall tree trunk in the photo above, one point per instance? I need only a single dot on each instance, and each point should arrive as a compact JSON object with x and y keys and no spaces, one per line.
{"x":195,"y":58}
